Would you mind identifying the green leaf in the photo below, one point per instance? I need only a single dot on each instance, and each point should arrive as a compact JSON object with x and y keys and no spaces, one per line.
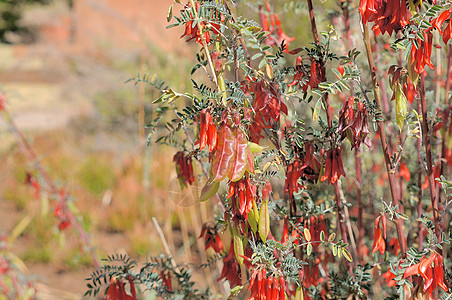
{"x":170,"y":13}
{"x":209,"y":190}
{"x":238,"y":249}
{"x":299,"y":295}
{"x":257,"y":55}
{"x":307,"y":235}
{"x":322,"y":236}
{"x":347,"y":255}
{"x":334,"y":250}
{"x":235,"y":291}
{"x":264,"y":221}
{"x":331,"y":237}
{"x":309,"y":249}
{"x":252,"y":221}
{"x":315,"y":113}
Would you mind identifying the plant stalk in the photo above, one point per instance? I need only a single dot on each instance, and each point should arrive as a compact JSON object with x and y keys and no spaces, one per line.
{"x":382,"y":133}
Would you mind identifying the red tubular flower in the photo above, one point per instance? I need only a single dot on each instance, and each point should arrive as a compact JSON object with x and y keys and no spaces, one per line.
{"x":277,"y":35}
{"x":184,"y":168}
{"x":60,"y":213}
{"x":388,"y":15}
{"x":30,"y":180}
{"x":300,"y":76}
{"x":231,"y":268}
{"x":433,"y":277}
{"x":395,"y":245}
{"x":117,"y":291}
{"x":379,"y":242}
{"x":166,"y":278}
{"x":207,"y":131}
{"x":353,"y":124}
{"x":421,"y":56}
{"x":333,"y":166}
{"x":439,"y":21}
{"x":267,"y":108}
{"x":317,"y":74}
{"x":242,"y":194}
{"x":404,"y":172}
{"x":262,"y":287}
{"x":192,"y":32}
{"x":389,"y":278}
{"x":211,"y":238}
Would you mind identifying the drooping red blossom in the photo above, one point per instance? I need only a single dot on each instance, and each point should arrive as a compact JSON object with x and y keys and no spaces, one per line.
{"x":262,"y":287}
{"x":389,"y":278}
{"x":211,"y":238}
{"x":31,"y":180}
{"x":404,"y":172}
{"x":394,"y":246}
{"x":317,"y":73}
{"x":440,"y":20}
{"x":231,"y":268}
{"x":379,"y":242}
{"x":409,"y":90}
{"x":267,"y":108}
{"x":192,"y":30}
{"x":242,"y":194}
{"x":166,"y":278}
{"x":333,"y":166}
{"x":60,"y":212}
{"x":184,"y":168}
{"x":117,"y":291}
{"x":419,"y":57}
{"x":311,"y":273}
{"x":305,"y":166}
{"x":207,"y":131}
{"x":300,"y":76}
{"x":353,"y":124}
{"x":266,"y":190}
{"x":431,"y":270}
{"x":277,"y":35}
{"x":389,"y":16}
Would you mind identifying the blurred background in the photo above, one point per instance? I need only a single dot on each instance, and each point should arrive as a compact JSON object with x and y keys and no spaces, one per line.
{"x":63,"y":69}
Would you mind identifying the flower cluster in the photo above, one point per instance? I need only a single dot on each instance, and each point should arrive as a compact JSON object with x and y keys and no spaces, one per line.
{"x":379,"y":242}
{"x":333,"y":166}
{"x":439,"y":21}
{"x":242,"y":194}
{"x":117,"y":290}
{"x":353,"y":124}
{"x":184,"y":168}
{"x":388,"y":15}
{"x":231,"y":268}
{"x":267,"y":108}
{"x":207,"y":131}
{"x":277,"y":35}
{"x":211,"y":238}
{"x":262,"y":287}
{"x":421,"y":52}
{"x":431,"y":270}
{"x":305,"y":166}
{"x":192,"y":29}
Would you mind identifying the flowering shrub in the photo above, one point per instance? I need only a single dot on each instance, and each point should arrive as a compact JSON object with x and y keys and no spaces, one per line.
{"x":283,"y":137}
